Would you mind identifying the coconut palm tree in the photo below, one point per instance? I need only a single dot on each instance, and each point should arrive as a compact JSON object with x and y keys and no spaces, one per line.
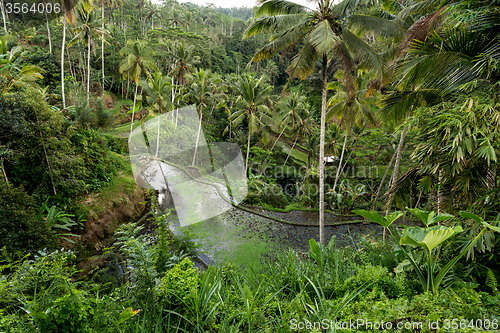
{"x":184,"y":61}
{"x":252,"y":96}
{"x":201,"y":93}
{"x":290,"y":107}
{"x":325,"y":34}
{"x":302,"y":126}
{"x":110,"y":4}
{"x":353,"y":105}
{"x":157,"y":90}
{"x":86,"y":30}
{"x":138,"y":61}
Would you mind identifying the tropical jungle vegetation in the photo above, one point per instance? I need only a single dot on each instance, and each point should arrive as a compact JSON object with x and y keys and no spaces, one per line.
{"x":353,"y":112}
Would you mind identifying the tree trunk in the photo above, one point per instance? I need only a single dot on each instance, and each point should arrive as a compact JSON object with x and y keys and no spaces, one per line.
{"x":440,"y":194}
{"x":290,"y":152}
{"x":158,"y":134}
{"x":398,"y":156}
{"x":198,"y":135}
{"x":3,"y":170}
{"x":340,"y":164}
{"x":248,"y":150}
{"x":48,"y":33}
{"x":383,"y":180}
{"x":133,"y":114}
{"x":102,"y":46}
{"x":396,"y":169}
{"x":128,"y":86}
{"x":4,"y":18}
{"x":275,"y":142}
{"x":88,"y":67}
{"x":322,"y":155}
{"x":62,"y":60}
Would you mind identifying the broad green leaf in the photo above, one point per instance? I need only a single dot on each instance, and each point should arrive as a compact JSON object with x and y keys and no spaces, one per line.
{"x":428,"y":238}
{"x":377,"y":218}
{"x":429,"y":218}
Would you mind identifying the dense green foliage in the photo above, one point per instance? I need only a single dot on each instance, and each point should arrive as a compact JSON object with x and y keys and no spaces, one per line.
{"x":401,"y":97}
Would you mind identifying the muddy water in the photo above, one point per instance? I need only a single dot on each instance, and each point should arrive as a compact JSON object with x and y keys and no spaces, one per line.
{"x":242,"y":237}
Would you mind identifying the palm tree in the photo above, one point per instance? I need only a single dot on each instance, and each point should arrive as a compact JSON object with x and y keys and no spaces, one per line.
{"x":200,"y":92}
{"x":252,"y":95}
{"x":290,"y":107}
{"x":111,"y":4}
{"x":302,"y":126}
{"x":151,"y":11}
{"x":325,"y":35}
{"x":157,"y":90}
{"x":441,"y":64}
{"x":184,"y":61}
{"x":86,"y":31}
{"x":138,"y":61}
{"x":352,"y":105}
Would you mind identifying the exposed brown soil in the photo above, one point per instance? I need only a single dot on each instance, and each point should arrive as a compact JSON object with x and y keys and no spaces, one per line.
{"x":100,"y":227}
{"x":109,"y":101}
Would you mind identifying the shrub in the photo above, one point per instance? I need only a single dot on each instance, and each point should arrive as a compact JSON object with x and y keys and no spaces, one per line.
{"x":179,"y":284}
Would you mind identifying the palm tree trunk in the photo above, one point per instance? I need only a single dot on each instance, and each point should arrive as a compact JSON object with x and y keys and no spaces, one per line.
{"x":158,"y":134}
{"x":398,"y":156}
{"x":279,"y":136}
{"x":3,"y":170}
{"x":322,"y":155}
{"x":4,"y":17}
{"x":198,"y":135}
{"x":48,"y":33}
{"x":133,"y":113}
{"x":340,"y":164}
{"x":102,"y":46}
{"x":383,"y":180}
{"x":88,"y":67}
{"x":248,"y":150}
{"x":128,"y":86}
{"x":290,"y":152}
{"x":62,"y":61}
{"x":394,"y":176}
{"x":440,"y":193}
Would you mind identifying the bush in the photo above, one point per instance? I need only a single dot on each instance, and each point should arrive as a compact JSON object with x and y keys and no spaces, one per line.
{"x":20,"y":230}
{"x":179,"y":284}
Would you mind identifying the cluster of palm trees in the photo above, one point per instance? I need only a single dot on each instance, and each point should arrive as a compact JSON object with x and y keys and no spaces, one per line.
{"x":431,"y":60}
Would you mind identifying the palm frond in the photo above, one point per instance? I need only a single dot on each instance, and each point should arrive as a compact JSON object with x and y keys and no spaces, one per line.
{"x":280,"y":7}
{"x":381,"y":26}
{"x":323,"y":38}
{"x":303,"y":63}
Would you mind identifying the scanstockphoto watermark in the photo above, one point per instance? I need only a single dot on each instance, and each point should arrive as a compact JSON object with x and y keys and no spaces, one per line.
{"x":354,"y":324}
{"x":280,"y":172}
{"x":362,"y":324}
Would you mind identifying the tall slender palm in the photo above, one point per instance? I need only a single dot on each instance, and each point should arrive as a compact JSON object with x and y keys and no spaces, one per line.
{"x":184,"y":61}
{"x":252,"y":95}
{"x":157,"y":89}
{"x":290,"y":106}
{"x":200,"y":92}
{"x":302,"y":126}
{"x":111,"y":4}
{"x":85,"y":32}
{"x":354,"y":106}
{"x":325,"y":35}
{"x":138,"y":61}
